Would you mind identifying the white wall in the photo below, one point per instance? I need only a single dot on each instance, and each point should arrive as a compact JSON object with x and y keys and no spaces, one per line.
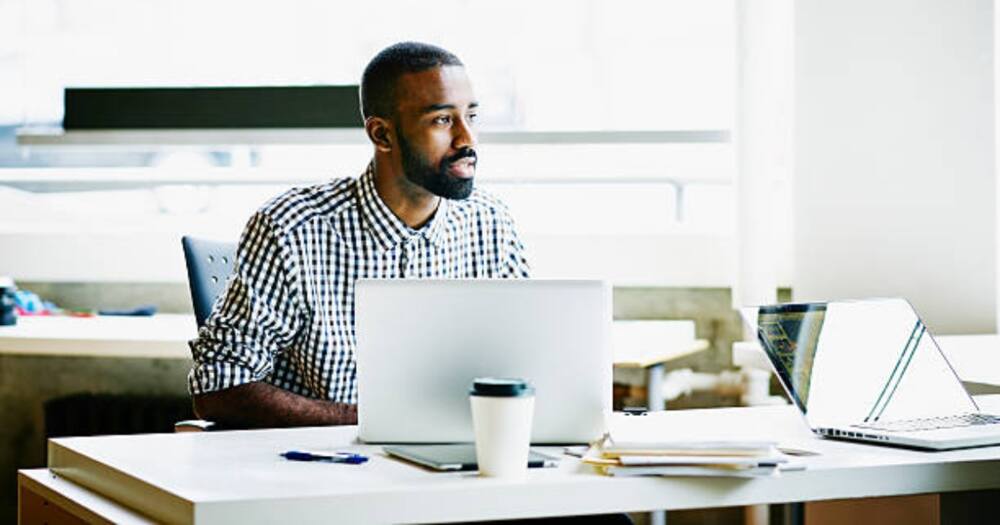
{"x":764,"y":146}
{"x":894,"y":156}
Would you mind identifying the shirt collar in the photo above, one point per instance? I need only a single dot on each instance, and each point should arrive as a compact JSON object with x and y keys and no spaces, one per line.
{"x":383,"y":225}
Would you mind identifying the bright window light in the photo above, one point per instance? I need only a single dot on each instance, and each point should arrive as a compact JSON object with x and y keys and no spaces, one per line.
{"x":557,"y":65}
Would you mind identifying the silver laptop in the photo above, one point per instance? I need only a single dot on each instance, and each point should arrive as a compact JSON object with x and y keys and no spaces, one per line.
{"x":420,"y":344}
{"x":870,"y":371}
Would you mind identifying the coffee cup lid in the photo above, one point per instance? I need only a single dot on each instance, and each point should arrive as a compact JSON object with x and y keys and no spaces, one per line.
{"x":501,"y":387}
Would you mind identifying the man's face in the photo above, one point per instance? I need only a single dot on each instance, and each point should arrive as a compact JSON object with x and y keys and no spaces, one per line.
{"x":435,"y":130}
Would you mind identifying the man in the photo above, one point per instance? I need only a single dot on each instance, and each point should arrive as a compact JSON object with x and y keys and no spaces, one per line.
{"x":278,"y":350}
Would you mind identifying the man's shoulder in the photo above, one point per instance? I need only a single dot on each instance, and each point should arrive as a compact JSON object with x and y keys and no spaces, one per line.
{"x":303,"y":204}
{"x":482,"y":204}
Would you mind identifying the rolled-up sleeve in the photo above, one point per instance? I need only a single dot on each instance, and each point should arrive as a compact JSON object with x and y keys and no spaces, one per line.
{"x":257,"y":316}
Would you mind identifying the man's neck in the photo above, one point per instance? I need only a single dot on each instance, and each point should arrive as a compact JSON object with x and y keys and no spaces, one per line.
{"x":412,"y":204}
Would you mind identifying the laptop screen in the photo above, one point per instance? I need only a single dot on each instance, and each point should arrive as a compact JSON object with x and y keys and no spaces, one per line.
{"x":858,"y":361}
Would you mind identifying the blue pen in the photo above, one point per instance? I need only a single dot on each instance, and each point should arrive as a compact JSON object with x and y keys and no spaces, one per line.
{"x":337,"y":457}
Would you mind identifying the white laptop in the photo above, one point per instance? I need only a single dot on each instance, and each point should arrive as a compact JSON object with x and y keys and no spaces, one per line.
{"x":870,"y":371}
{"x":420,"y":344}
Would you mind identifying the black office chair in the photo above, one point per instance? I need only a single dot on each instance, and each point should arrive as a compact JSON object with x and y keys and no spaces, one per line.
{"x":209,"y":264}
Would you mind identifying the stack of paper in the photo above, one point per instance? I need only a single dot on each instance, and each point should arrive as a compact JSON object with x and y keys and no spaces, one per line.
{"x":680,"y":458}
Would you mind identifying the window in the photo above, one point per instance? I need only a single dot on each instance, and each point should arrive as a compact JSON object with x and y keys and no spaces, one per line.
{"x":643,"y":213}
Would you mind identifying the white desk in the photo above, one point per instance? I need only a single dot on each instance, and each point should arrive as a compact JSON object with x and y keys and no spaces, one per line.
{"x":44,"y":358}
{"x":159,"y":336}
{"x":229,"y":477}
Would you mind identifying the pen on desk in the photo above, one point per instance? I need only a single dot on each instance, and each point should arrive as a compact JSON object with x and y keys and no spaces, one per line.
{"x":336,"y":457}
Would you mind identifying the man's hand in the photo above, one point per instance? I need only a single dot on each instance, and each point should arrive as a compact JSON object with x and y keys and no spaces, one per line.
{"x":260,"y":405}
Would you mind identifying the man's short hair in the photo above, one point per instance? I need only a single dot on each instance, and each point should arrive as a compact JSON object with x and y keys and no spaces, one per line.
{"x":378,"y":83}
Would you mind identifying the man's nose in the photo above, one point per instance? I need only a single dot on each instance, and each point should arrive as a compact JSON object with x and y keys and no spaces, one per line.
{"x":464,"y":135}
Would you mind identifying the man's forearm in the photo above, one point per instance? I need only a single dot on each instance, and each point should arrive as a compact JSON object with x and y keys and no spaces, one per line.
{"x":260,"y":405}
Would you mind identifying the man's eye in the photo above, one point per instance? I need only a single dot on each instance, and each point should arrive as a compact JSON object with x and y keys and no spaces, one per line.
{"x":473,"y":117}
{"x":443,"y":119}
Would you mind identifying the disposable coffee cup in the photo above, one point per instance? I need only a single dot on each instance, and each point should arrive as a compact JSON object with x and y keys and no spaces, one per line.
{"x":501,"y":416}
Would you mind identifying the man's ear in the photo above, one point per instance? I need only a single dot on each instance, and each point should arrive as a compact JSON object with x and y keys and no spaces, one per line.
{"x":380,"y":133}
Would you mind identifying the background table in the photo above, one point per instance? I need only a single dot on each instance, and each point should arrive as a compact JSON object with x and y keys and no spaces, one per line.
{"x":163,"y":336}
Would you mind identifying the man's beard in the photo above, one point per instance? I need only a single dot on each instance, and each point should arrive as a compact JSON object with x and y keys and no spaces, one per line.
{"x":436,"y":180}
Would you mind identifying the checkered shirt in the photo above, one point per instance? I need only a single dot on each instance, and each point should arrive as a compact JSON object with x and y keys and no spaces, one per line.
{"x":287,"y":314}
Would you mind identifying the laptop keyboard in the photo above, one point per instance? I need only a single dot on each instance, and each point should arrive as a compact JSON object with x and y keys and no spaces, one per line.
{"x":932,"y":423}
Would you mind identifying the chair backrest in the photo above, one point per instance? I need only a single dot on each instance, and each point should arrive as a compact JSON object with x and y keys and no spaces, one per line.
{"x":209,"y":264}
